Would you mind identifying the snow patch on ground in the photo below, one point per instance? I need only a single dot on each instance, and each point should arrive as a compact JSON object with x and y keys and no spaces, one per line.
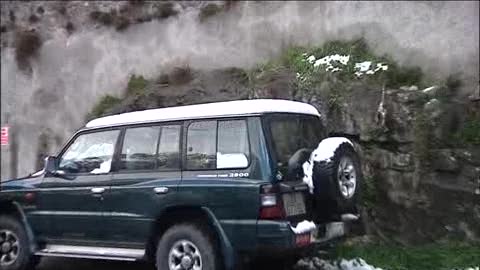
{"x":342,"y":264}
{"x":316,"y":263}
{"x":304,"y":227}
{"x":324,"y":152}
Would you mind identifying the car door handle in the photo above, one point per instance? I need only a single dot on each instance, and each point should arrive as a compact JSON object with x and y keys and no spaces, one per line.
{"x":161,"y":190}
{"x":97,"y":190}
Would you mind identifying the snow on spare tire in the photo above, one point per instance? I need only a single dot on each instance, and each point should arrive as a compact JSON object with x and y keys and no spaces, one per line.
{"x":333,"y":174}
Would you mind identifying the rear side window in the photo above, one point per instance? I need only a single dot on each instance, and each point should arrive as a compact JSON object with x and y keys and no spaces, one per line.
{"x":201,"y":140}
{"x":217,"y":145}
{"x":151,"y":148}
{"x":233,"y":149}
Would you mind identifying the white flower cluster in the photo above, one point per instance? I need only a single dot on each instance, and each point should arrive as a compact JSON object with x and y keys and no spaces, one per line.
{"x":335,"y":62}
{"x":329,"y":61}
{"x":364,"y":68}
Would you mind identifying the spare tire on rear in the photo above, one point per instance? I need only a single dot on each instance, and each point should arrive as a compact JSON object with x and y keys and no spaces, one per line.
{"x":337,"y":183}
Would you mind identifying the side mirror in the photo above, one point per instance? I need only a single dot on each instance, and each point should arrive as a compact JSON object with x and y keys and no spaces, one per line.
{"x":50,"y":168}
{"x":50,"y":165}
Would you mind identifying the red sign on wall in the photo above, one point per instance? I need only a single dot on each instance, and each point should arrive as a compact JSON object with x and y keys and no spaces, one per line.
{"x":4,"y":136}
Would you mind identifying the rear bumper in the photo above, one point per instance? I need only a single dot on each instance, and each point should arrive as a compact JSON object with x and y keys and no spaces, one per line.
{"x":279,"y":237}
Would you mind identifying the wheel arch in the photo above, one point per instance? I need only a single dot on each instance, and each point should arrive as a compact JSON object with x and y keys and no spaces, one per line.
{"x":195,"y":214}
{"x":13,"y":208}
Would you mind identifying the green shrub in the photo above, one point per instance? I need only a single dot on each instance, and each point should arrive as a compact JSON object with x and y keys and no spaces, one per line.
{"x":121,"y":23}
{"x":70,"y":27}
{"x":165,"y":10}
{"x":382,"y":69}
{"x":180,"y":75}
{"x":105,"y":18}
{"x":136,"y":85}
{"x":27,"y":44}
{"x":208,"y":11}
{"x":106,"y":103}
{"x":469,"y":133}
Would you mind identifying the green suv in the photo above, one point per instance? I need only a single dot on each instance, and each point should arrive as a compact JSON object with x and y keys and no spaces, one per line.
{"x":190,"y":187}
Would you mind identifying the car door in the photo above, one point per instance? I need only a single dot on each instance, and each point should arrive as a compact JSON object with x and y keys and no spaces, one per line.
{"x":73,"y":202}
{"x":144,"y":183}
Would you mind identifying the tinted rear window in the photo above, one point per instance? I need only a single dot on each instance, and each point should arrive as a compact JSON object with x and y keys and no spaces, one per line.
{"x":292,"y":132}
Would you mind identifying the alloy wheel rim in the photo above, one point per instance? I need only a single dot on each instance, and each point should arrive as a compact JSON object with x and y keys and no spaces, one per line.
{"x":347,"y":177}
{"x":184,"y":255}
{"x":9,"y":247}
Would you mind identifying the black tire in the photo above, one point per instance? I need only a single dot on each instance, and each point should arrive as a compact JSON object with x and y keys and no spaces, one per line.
{"x":25,"y":259}
{"x":195,"y":234}
{"x":329,"y":202}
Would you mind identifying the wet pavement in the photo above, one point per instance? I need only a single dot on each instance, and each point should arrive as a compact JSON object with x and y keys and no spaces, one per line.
{"x":84,"y":264}
{"x":52,"y":263}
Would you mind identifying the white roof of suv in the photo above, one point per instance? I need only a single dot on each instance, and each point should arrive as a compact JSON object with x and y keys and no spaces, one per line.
{"x":208,"y":110}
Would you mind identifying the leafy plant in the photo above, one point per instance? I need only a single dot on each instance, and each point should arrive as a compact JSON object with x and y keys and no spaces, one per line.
{"x":165,"y":10}
{"x":27,"y":44}
{"x":106,"y":103}
{"x":136,"y":85}
{"x":469,"y":134}
{"x":208,"y":11}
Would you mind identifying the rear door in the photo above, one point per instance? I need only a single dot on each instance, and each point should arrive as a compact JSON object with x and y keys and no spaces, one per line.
{"x":145,"y":182}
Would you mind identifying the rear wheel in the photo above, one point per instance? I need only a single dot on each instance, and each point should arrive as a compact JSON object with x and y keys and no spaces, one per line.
{"x":15,"y":251}
{"x":187,"y":247}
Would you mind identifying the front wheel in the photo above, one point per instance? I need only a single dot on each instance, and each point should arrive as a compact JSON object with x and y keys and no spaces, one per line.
{"x":187,"y":247}
{"x":15,"y":251}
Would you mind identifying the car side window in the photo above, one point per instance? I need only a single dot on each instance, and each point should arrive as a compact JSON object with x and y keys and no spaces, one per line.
{"x":201,"y":144}
{"x":233,"y":148}
{"x":169,"y":147}
{"x":205,"y":151}
{"x":90,"y":153}
{"x":139,"y":150}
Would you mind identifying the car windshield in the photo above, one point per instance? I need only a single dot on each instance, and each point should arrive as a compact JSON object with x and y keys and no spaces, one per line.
{"x":291,"y":132}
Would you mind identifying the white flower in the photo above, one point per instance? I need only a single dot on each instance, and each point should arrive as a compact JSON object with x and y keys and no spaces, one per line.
{"x":311,"y":59}
{"x":358,"y":74}
{"x":344,"y":59}
{"x":336,"y":69}
{"x":370,"y":72}
{"x":363,"y":66}
{"x":381,"y":66}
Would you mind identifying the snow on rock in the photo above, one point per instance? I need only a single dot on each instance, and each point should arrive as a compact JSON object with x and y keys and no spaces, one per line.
{"x":343,"y":264}
{"x":324,"y":152}
{"x":303,"y":227}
